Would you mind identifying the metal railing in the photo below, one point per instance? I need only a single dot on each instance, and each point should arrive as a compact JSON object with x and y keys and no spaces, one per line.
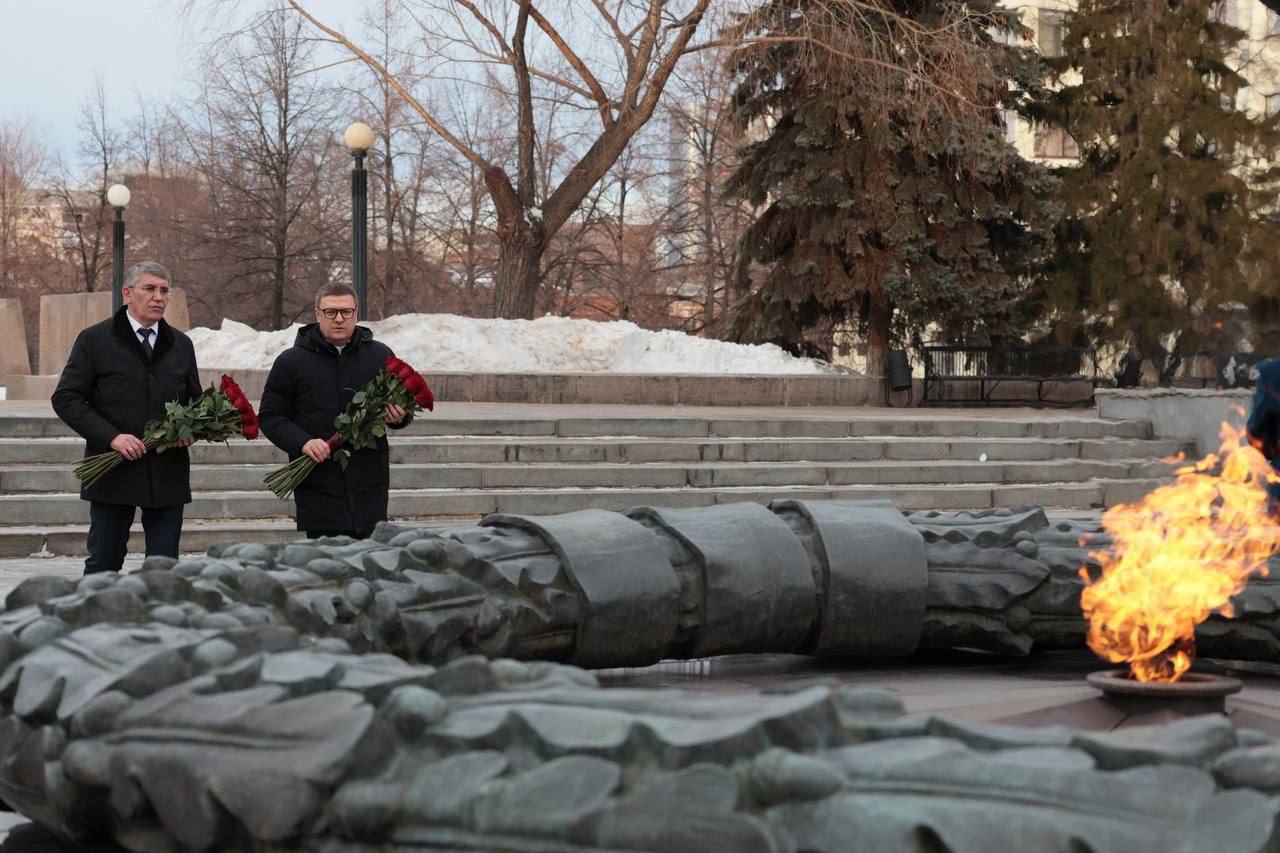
{"x":996,"y":368}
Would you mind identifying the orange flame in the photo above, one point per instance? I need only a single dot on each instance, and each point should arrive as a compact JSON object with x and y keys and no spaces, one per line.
{"x":1179,"y":555}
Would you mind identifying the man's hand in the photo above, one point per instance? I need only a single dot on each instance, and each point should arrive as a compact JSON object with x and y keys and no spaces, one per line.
{"x":394,"y":414}
{"x":129,"y":446}
{"x":184,"y":442}
{"x":317,"y":450}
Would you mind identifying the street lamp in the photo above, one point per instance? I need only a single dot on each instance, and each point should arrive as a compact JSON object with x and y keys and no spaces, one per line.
{"x":359,"y":138}
{"x":118,"y":197}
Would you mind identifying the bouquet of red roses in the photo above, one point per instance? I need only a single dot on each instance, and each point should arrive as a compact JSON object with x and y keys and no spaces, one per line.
{"x":361,"y":423}
{"x":216,"y":415}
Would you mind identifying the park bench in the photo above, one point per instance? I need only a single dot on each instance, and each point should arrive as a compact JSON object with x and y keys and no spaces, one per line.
{"x":1013,"y":370}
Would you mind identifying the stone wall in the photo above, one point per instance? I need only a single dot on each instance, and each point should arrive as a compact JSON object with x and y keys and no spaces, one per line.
{"x":630,"y":388}
{"x":13,"y":340}
{"x":1182,"y":413}
{"x":19,"y":387}
{"x":64,"y":315}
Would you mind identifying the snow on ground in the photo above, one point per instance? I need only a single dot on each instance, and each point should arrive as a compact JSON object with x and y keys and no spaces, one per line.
{"x":448,"y":343}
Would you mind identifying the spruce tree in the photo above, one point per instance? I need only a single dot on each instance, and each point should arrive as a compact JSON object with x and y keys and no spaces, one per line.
{"x":894,"y":215}
{"x":1165,"y":220}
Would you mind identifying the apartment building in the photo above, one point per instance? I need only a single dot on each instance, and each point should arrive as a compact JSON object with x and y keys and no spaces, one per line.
{"x":1258,"y":62}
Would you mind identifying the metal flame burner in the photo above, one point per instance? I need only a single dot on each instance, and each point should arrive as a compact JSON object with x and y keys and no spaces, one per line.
{"x":1194,"y":693}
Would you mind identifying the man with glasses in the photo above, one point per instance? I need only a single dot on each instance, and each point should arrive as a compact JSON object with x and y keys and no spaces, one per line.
{"x":309,"y":384}
{"x":120,"y":374}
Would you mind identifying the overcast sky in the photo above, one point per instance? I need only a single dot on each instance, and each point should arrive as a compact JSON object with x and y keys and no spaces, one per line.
{"x":53,"y":49}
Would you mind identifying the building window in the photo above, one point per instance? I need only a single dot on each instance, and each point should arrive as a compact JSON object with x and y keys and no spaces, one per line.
{"x":1049,"y":32}
{"x":1055,"y":142}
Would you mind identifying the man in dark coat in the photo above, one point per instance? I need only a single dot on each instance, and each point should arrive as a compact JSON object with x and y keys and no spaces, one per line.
{"x":119,"y":375}
{"x":1263,"y":425}
{"x":309,"y":384}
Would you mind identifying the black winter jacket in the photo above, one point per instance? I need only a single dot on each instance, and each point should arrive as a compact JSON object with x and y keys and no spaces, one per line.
{"x":307,"y":388}
{"x":109,"y":387}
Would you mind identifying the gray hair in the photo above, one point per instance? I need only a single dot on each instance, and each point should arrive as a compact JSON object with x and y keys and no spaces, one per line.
{"x":138,"y":270}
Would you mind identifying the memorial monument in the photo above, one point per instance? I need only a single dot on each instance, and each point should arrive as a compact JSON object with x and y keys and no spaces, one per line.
{"x":338,"y":695}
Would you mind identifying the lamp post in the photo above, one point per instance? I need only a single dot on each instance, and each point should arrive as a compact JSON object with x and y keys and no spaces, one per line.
{"x":118,"y":197}
{"x":359,"y":138}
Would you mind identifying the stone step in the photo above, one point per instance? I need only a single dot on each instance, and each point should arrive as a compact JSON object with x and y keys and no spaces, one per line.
{"x":673,"y":424}
{"x":63,"y":509}
{"x":50,"y":478}
{"x":445,"y":450}
{"x":68,"y":540}
{"x":197,"y":537}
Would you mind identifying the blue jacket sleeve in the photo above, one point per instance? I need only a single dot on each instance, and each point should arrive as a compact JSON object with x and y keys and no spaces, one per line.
{"x":1263,"y":425}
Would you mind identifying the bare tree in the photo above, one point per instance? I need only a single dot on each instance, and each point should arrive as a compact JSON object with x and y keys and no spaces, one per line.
{"x":611,"y":261}
{"x":84,"y":199}
{"x":262,"y":141}
{"x":153,"y":144}
{"x":22,"y":161}
{"x":647,"y":40}
{"x":30,"y":224}
{"x":392,"y":161}
{"x":457,"y":210}
{"x":707,"y":225}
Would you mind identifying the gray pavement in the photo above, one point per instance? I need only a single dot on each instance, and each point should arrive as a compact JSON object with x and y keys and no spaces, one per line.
{"x":1041,"y":690}
{"x":13,"y":572}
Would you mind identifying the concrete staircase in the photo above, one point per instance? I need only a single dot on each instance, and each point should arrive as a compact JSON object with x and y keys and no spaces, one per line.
{"x":465,"y":467}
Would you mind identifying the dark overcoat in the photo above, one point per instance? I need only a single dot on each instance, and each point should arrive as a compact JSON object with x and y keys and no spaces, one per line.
{"x":1263,"y":425}
{"x":109,"y":387}
{"x":309,"y":384}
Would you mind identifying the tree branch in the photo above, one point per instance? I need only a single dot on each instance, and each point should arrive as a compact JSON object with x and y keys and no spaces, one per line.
{"x":524,"y":104}
{"x":390,"y":79}
{"x":486,"y":23}
{"x":628,"y":49}
{"x":597,"y":91}
{"x":640,"y":64}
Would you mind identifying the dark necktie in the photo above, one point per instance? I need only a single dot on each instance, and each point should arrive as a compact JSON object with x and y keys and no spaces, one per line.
{"x":146,"y":340}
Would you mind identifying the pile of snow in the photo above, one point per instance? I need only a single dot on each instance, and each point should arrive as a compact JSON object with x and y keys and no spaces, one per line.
{"x":441,"y":343}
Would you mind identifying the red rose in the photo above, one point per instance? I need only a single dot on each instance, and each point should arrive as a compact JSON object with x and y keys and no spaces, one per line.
{"x":398,"y":368}
{"x":229,"y":388}
{"x":421,"y":393}
{"x":249,"y":430}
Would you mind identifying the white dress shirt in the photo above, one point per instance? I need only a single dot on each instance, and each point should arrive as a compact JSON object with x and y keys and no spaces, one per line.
{"x":136,"y":326}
